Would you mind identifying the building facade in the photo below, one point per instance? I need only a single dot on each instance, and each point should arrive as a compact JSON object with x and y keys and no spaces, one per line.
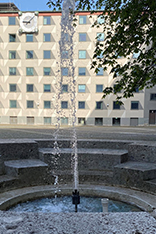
{"x":29,"y":48}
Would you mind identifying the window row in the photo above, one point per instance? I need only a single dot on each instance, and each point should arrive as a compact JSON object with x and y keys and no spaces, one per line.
{"x":81,"y":105}
{"x":47,"y":20}
{"x":47,"y":37}
{"x":30,"y":71}
{"x":47,"y":54}
{"x":47,"y":88}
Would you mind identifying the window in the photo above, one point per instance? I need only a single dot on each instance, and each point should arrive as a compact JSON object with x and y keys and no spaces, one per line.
{"x":98,"y":121}
{"x":116,"y":121}
{"x":13,"y":104}
{"x":47,"y":104}
{"x":116,"y":88}
{"x":100,"y":19}
{"x":47,"y":120}
{"x":153,"y":96}
{"x":46,"y":71}
{"x":30,"y":87}
{"x":81,"y":105}
{"x":12,"y":37}
{"x":136,"y":55}
{"x":64,"y":88}
{"x":46,"y":54}
{"x":82,"y":36}
{"x":12,"y":54}
{"x":134,"y":105}
{"x":30,"y":104}
{"x":100,"y":36}
{"x":82,"y":54}
{"x":64,"y":105}
{"x":13,"y":119}
{"x":12,"y":87}
{"x":82,"y":71}
{"x":99,"y":88}
{"x":81,"y":88}
{"x":64,"y":54}
{"x":47,"y":88}
{"x":12,"y":71}
{"x":66,"y":37}
{"x":46,"y":37}
{"x":29,"y":38}
{"x":29,"y":71}
{"x":64,"y":120}
{"x":137,"y":90}
{"x":99,"y":105}
{"x":30,"y":120}
{"x":29,"y":54}
{"x":46,"y":20}
{"x":116,"y":106}
{"x":81,"y":121}
{"x":12,"y":20}
{"x":100,"y":72}
{"x":64,"y":71}
{"x":82,"y":19}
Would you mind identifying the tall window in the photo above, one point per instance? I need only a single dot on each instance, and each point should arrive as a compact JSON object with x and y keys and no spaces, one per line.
{"x":134,"y":105}
{"x":46,"y":20}
{"x":47,"y":120}
{"x":82,"y":19}
{"x":30,"y":87}
{"x":64,"y":105}
{"x":12,"y":37}
{"x":65,"y":71}
{"x":100,"y":19}
{"x":12,"y":54}
{"x":12,"y":20}
{"x":136,"y":55}
{"x":12,"y":71}
{"x":100,"y":36}
{"x":30,"y":104}
{"x":29,"y":71}
{"x":29,"y":54}
{"x":82,"y":71}
{"x":81,"y":105}
{"x":99,"y":88}
{"x":13,"y":104}
{"x":100,"y":72}
{"x":46,"y":37}
{"x":116,"y":106}
{"x":153,"y":96}
{"x":82,"y":37}
{"x":64,"y":88}
{"x":12,"y":87}
{"x":47,"y":104}
{"x":99,"y":105}
{"x":82,"y":88}
{"x":64,"y":120}
{"x":29,"y":37}
{"x":46,"y":71}
{"x":82,"y":54}
{"x":46,"y":54}
{"x":47,"y":88}
{"x":64,"y":54}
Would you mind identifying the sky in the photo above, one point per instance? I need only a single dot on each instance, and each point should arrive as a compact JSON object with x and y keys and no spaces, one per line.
{"x":29,"y":5}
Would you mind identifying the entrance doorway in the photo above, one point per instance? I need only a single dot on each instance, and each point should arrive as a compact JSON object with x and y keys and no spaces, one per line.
{"x":152,"y":117}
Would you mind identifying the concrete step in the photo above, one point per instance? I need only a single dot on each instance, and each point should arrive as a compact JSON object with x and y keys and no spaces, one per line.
{"x":134,"y":174}
{"x":150,"y":186}
{"x":88,"y":159}
{"x":7,"y":182}
{"x":28,"y":171}
{"x":100,"y":177}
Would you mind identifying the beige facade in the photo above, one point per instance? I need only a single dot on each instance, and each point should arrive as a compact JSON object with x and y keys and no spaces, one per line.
{"x":28,"y":74}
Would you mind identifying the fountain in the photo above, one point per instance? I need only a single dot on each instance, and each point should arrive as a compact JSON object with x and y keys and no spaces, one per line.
{"x":67,"y":69}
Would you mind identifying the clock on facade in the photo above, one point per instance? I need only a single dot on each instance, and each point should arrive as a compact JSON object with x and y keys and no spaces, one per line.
{"x":28,"y":22}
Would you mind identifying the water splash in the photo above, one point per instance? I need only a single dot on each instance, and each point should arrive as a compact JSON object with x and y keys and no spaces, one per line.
{"x":66,"y":73}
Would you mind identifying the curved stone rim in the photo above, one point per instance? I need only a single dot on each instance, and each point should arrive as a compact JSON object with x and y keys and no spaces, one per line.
{"x":142,"y":200}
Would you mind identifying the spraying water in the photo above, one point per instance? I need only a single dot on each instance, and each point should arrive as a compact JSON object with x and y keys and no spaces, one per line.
{"x":66,"y":74}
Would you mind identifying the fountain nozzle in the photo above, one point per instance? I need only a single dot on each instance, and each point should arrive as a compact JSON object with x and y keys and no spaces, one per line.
{"x":76,"y":199}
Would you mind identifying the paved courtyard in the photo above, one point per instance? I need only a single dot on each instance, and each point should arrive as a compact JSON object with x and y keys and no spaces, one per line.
{"x":83,"y":132}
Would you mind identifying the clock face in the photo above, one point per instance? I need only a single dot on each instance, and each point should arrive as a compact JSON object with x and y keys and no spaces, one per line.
{"x":28,"y":22}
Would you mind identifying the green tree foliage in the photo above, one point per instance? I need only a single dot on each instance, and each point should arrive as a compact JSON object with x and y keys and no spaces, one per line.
{"x":130,"y":32}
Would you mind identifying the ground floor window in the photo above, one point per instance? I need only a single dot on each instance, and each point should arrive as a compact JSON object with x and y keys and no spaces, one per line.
{"x":98,"y":121}
{"x":64,"y":120}
{"x":81,"y":121}
{"x":116,"y":121}
{"x":30,"y":120}
{"x":13,"y":119}
{"x":47,"y":120}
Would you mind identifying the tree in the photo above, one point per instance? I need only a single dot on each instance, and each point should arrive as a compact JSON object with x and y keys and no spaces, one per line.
{"x":130,"y":31}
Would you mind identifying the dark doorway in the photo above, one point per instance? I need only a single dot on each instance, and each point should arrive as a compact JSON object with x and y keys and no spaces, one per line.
{"x":116,"y":121}
{"x":152,"y":116}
